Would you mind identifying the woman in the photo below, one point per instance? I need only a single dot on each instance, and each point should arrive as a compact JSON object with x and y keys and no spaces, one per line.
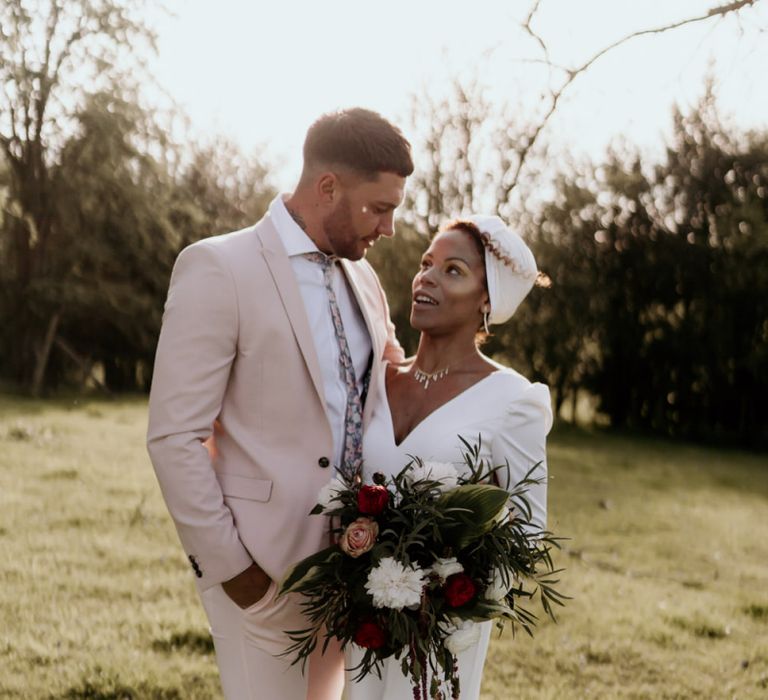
{"x":474,"y":273}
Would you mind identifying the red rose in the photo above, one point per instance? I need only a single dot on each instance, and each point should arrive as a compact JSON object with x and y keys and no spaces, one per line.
{"x":372,"y":500}
{"x":370,"y":636}
{"x":459,"y":589}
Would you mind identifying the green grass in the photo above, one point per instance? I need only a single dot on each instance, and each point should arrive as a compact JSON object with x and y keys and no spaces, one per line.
{"x":667,"y":565}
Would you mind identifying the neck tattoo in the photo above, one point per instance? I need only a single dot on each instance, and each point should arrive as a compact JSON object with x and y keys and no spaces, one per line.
{"x":298,"y":219}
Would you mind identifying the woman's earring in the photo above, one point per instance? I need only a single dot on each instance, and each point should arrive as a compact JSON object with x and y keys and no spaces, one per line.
{"x":485,"y":322}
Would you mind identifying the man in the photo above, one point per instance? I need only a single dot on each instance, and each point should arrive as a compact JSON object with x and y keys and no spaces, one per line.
{"x":271,"y":333}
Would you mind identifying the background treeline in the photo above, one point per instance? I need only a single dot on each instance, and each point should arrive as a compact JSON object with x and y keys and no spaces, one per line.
{"x":659,"y":304}
{"x":96,"y":197}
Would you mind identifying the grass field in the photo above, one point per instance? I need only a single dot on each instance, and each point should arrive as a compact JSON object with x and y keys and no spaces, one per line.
{"x":667,"y":565}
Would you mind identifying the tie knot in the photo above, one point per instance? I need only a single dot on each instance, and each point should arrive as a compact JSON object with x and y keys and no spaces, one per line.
{"x":325,"y":261}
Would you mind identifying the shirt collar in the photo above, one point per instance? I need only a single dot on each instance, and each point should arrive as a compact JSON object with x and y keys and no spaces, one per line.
{"x":294,"y":238}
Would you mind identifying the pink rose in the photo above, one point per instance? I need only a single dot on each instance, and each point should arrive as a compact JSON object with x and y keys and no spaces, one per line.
{"x":359,"y":537}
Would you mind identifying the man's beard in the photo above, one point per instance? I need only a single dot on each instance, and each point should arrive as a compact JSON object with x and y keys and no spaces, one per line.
{"x":340,"y":232}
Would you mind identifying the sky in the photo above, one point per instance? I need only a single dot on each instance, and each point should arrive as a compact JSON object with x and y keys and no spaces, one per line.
{"x":260,"y":73}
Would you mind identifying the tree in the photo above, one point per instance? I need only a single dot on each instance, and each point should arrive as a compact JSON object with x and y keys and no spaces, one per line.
{"x":126,"y":216}
{"x":98,"y":200}
{"x":115,"y":245}
{"x":229,"y":189}
{"x":660,"y":270}
{"x":467,"y":157}
{"x":664,"y":314}
{"x":50,"y":50}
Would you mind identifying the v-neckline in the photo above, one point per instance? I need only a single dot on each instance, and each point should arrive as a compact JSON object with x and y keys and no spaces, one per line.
{"x":432,"y":412}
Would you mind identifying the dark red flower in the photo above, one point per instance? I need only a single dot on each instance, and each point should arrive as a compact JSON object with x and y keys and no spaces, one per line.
{"x":371,"y":500}
{"x":370,"y":636}
{"x":459,"y":589}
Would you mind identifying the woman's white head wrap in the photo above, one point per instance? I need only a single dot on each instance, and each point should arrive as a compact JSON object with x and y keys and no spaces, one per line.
{"x":508,"y":281}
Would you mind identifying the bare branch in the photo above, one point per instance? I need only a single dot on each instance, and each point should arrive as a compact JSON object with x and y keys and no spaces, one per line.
{"x":26,"y":96}
{"x":529,"y":30}
{"x":544,"y":62}
{"x":12,"y":110}
{"x":50,"y":31}
{"x":5,"y":144}
{"x":45,"y":82}
{"x":719,"y":11}
{"x":78,"y":34}
{"x":571,"y":74}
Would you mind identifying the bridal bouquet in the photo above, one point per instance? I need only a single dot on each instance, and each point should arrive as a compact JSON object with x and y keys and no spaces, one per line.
{"x":421,"y":558}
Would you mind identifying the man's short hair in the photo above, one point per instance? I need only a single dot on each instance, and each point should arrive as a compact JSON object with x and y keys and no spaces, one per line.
{"x":359,"y":139}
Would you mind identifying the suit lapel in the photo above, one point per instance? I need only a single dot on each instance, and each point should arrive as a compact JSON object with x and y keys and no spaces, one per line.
{"x":353,"y":276}
{"x":279,"y":265}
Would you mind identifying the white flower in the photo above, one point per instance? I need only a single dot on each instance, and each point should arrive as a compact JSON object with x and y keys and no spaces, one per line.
{"x":462,"y":634}
{"x":497,"y":589}
{"x":444,"y":472}
{"x":395,"y":586}
{"x":446,"y":567}
{"x":327,"y":494}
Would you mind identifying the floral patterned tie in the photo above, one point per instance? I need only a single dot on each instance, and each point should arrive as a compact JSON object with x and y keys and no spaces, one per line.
{"x":353,"y":419}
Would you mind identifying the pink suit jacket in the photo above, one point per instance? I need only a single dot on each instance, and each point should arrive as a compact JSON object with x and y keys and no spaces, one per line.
{"x":236,"y":347}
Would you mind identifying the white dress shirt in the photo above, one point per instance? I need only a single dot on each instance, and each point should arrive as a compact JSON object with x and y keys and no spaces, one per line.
{"x":309,"y":276}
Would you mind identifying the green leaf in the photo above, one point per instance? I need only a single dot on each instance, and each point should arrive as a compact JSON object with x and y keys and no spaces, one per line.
{"x":483,"y":609}
{"x":474,"y":507}
{"x":302,"y":568}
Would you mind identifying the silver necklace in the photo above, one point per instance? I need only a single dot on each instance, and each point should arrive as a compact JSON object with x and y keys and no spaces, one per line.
{"x":427,"y":378}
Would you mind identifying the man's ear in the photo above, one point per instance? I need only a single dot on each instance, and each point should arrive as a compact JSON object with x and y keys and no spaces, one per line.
{"x":328,"y":187}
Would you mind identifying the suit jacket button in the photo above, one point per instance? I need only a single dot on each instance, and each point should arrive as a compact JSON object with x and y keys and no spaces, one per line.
{"x":324,"y":462}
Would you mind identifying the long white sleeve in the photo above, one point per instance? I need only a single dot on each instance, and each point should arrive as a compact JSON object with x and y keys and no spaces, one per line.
{"x":522,"y":442}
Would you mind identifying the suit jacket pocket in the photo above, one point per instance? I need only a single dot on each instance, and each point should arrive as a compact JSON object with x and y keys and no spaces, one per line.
{"x":249,"y":488}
